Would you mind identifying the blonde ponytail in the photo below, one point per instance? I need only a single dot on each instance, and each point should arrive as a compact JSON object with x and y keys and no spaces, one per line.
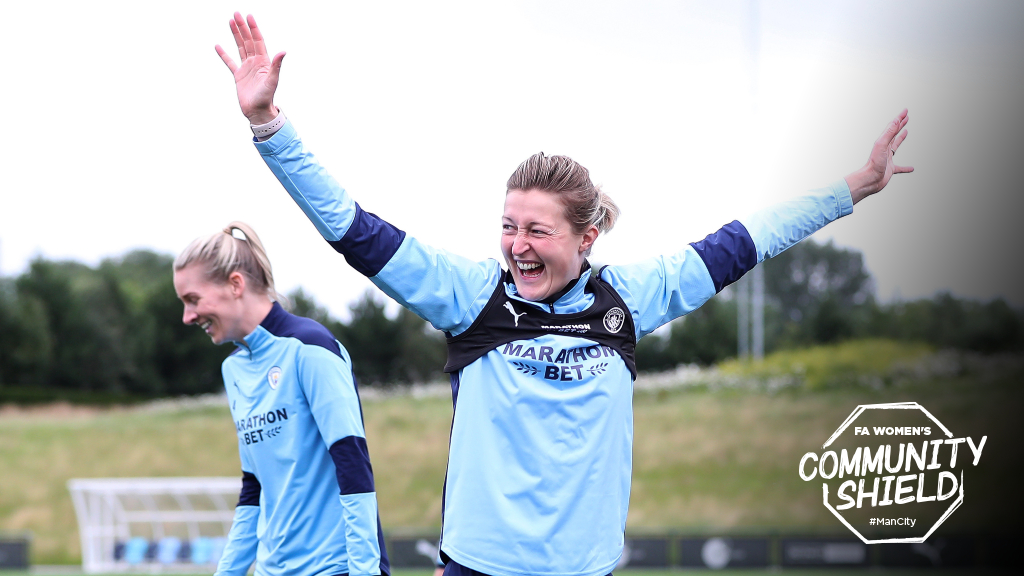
{"x":608,"y":212}
{"x":222,"y":254}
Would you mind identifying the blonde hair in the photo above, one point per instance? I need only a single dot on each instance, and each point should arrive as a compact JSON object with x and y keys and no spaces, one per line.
{"x":222,"y":254}
{"x":585,"y":204}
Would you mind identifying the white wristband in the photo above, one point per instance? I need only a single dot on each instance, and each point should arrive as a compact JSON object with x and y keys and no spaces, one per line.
{"x":270,"y":128}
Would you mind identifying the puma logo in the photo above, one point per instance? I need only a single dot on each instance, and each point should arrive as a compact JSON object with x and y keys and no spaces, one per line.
{"x":513,"y":311}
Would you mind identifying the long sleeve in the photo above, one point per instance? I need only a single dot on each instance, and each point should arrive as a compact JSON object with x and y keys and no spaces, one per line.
{"x":327,"y":382}
{"x":444,"y":289}
{"x":240,"y":551}
{"x":663,"y":288}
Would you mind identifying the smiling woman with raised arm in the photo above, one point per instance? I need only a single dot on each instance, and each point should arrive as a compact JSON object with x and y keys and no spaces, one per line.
{"x":540,"y":355}
{"x":308,"y":505}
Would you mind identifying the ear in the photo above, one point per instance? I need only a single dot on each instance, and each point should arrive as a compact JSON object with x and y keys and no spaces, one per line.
{"x":236,"y":282}
{"x":589,"y":237}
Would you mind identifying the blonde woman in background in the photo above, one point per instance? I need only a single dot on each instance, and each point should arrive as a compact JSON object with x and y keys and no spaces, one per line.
{"x":307,"y":505}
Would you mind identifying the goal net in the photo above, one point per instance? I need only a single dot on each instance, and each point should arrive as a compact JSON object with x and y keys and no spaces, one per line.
{"x":153,"y":524}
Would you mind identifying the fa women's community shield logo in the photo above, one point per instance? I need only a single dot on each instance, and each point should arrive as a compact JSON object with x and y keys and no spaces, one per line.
{"x":613,"y":320}
{"x":274,"y":377}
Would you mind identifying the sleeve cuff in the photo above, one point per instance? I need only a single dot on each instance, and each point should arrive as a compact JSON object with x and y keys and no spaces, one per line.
{"x":278,"y":141}
{"x":844,"y":201}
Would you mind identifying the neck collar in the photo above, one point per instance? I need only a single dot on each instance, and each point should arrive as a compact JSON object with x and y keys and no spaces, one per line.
{"x":267,"y":327}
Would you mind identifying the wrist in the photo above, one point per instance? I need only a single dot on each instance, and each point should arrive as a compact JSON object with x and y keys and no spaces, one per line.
{"x":263,"y":115}
{"x":860,"y":184}
{"x":267,"y":129}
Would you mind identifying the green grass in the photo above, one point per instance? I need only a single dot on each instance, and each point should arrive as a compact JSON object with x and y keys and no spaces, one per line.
{"x":873,"y":362}
{"x":704,"y":459}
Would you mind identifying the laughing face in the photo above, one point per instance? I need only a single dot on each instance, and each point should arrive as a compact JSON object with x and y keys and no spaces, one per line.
{"x":216,"y":308}
{"x":540,"y":247}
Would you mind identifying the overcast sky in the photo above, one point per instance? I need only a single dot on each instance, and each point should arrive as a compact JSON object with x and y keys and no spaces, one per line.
{"x":122,"y":128}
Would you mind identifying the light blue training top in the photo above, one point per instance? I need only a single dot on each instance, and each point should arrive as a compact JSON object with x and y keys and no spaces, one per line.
{"x":539,"y":469}
{"x":308,"y":505}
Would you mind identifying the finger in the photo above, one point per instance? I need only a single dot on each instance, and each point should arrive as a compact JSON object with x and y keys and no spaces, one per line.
{"x":243,"y":29}
{"x":899,"y":140}
{"x":238,"y":39}
{"x":894,"y":127}
{"x":227,"y":59}
{"x":275,"y":69}
{"x":902,"y":126}
{"x":257,"y":37}
{"x":902,"y":169}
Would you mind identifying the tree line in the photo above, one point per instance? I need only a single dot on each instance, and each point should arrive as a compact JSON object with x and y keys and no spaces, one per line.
{"x":114,"y":332}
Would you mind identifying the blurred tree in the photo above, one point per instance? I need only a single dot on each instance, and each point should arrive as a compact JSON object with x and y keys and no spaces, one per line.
{"x":948,"y":322}
{"x":83,"y":317}
{"x":26,"y":347}
{"x":707,"y":335}
{"x":815,"y":293}
{"x":422,"y":352}
{"x":302,"y":304}
{"x":172,"y":358}
{"x":386,"y":351}
{"x":116,"y":329}
{"x":820,"y":294}
{"x":653,"y":354}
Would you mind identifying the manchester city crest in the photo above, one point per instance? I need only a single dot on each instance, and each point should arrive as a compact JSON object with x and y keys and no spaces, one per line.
{"x":274,"y":377}
{"x":613,"y":320}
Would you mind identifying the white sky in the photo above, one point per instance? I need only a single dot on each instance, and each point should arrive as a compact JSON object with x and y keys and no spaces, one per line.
{"x":122,"y":128}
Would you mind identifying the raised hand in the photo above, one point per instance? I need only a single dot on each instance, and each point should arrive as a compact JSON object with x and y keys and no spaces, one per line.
{"x":880,"y":166}
{"x":257,"y":75}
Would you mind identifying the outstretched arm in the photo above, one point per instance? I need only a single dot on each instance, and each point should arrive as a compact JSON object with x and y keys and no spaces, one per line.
{"x":457,"y":288}
{"x":257,"y":75}
{"x":666,"y":287}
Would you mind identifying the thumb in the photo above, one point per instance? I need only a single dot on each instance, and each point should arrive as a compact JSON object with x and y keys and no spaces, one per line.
{"x":275,"y":68}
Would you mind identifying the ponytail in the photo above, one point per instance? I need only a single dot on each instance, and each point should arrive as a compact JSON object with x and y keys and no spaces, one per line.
{"x":222,"y":254}
{"x":608,"y":212}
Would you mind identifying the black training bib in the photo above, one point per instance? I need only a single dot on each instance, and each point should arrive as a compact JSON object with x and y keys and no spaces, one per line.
{"x":607,"y":321}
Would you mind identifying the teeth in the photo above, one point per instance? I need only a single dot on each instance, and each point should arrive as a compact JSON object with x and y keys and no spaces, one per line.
{"x":205,"y":325}
{"x":525,"y":266}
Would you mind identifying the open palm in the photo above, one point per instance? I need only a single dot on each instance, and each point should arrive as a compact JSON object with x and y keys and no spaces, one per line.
{"x":884,"y":151}
{"x":880,"y":166}
{"x":257,"y":76}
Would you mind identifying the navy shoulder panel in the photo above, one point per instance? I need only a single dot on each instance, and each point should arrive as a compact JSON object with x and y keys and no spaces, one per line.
{"x":728,"y":254}
{"x":369,"y":243}
{"x":285,"y":325}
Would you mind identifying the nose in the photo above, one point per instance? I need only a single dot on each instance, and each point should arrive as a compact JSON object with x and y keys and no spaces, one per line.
{"x":520,"y":244}
{"x":189,"y":316}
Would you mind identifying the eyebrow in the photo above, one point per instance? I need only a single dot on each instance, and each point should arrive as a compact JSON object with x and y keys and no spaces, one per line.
{"x":530,"y":223}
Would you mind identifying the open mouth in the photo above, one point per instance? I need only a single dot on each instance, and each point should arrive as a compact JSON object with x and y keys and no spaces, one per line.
{"x":206,"y":326}
{"x":530,"y":270}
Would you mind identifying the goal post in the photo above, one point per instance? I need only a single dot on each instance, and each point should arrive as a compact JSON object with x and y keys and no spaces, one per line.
{"x":153,"y":524}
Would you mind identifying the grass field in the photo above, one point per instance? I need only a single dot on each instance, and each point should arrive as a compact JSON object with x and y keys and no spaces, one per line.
{"x":706,"y":458}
